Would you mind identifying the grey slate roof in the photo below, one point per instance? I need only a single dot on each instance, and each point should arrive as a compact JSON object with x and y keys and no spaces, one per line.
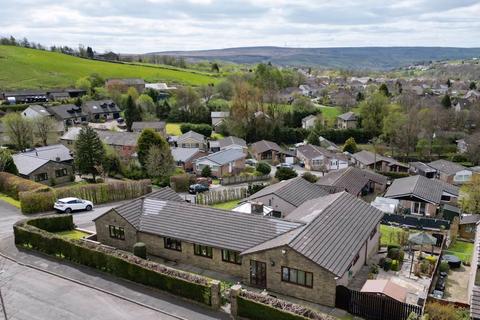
{"x":446,"y":166}
{"x":55,"y":152}
{"x":184,"y":154}
{"x":311,"y":152}
{"x":67,"y":111}
{"x":231,"y":140}
{"x":264,"y":145}
{"x":203,"y":225}
{"x":40,"y":110}
{"x":309,"y":117}
{"x":336,"y":228}
{"x":115,"y":138}
{"x":28,"y":164}
{"x":349,"y":116}
{"x":429,"y":190}
{"x":368,"y":158}
{"x":165,"y":193}
{"x":191,"y":135}
{"x":140,"y":125}
{"x":422,"y":166}
{"x":223,"y":156}
{"x":351,"y":179}
{"x":101,"y":106}
{"x":295,"y":191}
{"x":470,"y":219}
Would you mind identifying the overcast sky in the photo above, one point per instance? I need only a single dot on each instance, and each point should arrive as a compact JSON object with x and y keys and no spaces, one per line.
{"x":138,"y":26}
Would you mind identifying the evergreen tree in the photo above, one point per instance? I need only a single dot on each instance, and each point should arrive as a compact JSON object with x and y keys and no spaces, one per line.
{"x":206,"y":172}
{"x":350,"y":145}
{"x":6,"y":162}
{"x":473,"y":85}
{"x":449,"y":83}
{"x":159,"y":163}
{"x":147,"y":139}
{"x":132,"y":113}
{"x":446,"y":101}
{"x":89,"y":152}
{"x":90,"y":52}
{"x":384,"y":90}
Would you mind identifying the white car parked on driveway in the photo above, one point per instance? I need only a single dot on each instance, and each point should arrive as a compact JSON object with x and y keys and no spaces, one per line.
{"x":70,"y":204}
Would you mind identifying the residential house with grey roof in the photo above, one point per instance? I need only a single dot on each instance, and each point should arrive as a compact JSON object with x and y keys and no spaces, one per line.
{"x":422,"y":169}
{"x":309,"y":121}
{"x":320,"y":159}
{"x":422,"y":196}
{"x":69,"y":114}
{"x":218,"y":117}
{"x":185,"y":157}
{"x":451,"y":172}
{"x":356,"y":181}
{"x":101,"y":110}
{"x":265,"y":150}
{"x":191,"y":139}
{"x":49,"y":165}
{"x":33,"y":111}
{"x":347,"y":121}
{"x":157,"y":126}
{"x":285,"y":196}
{"x":223,"y":162}
{"x":229,"y":142}
{"x":368,"y":160}
{"x":320,"y":245}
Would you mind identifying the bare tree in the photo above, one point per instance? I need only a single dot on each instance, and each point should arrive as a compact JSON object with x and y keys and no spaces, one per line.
{"x":42,"y":127}
{"x":19,"y":130}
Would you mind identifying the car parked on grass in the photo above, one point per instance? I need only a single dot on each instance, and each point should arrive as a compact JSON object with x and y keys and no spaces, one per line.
{"x":197,"y":188}
{"x":70,"y":204}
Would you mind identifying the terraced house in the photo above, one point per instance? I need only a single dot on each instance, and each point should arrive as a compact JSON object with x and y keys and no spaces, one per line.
{"x":306,"y":255}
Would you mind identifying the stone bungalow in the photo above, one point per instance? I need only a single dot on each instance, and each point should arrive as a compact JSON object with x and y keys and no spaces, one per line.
{"x":368,"y":160}
{"x":422,"y":196}
{"x":223,"y":162}
{"x":265,"y":150}
{"x":280,"y":255}
{"x":191,"y":139}
{"x":347,"y":121}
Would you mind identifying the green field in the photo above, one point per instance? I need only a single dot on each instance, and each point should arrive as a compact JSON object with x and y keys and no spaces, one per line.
{"x":22,"y":68}
{"x":330,"y":112}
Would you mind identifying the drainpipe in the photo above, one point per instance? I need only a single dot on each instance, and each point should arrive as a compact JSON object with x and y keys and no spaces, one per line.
{"x":366,"y":251}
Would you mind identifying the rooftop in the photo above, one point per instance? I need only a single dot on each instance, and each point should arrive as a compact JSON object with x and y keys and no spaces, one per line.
{"x":27,"y":164}
{"x":191,"y":135}
{"x":351,"y":179}
{"x":102,"y":106}
{"x":140,"y":125}
{"x":223,"y":156}
{"x":55,"y":152}
{"x":446,"y":166}
{"x":349,"y":116}
{"x":184,"y":154}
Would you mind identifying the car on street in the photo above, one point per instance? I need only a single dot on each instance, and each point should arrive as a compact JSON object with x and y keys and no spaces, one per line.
{"x":285,"y":165}
{"x":70,"y":204}
{"x":197,"y":188}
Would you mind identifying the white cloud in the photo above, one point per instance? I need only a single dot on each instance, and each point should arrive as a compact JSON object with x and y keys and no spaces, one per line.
{"x":133,"y":26}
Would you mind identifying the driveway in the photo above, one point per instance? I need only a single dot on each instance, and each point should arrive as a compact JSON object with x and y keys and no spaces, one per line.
{"x":41,"y":287}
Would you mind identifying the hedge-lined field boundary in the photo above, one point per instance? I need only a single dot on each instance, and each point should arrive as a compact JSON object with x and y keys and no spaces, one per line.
{"x":35,"y":234}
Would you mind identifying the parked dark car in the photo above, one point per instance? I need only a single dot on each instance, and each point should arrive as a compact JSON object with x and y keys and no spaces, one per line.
{"x":197,"y":188}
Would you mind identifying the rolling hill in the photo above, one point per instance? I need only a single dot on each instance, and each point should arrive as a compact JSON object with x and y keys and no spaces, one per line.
{"x":22,"y":68}
{"x":360,"y":58}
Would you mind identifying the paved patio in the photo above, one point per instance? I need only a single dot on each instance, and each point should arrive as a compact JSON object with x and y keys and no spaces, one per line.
{"x":457,"y":284}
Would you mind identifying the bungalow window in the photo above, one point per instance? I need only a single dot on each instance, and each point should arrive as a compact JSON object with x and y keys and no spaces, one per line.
{"x":61,"y":173}
{"x":446,"y":198}
{"x":41,"y":177}
{"x":116,"y":232}
{"x":203,"y":251}
{"x":231,"y":256}
{"x":419,"y":208}
{"x":172,"y":244}
{"x":296,"y":276}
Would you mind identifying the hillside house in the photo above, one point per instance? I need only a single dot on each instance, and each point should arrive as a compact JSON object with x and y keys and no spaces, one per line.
{"x":229,"y":142}
{"x":270,"y":151}
{"x":218,"y":117}
{"x":124,"y":84}
{"x":157,"y":126}
{"x":279,"y":255}
{"x":309,"y":121}
{"x":347,"y":121}
{"x":69,"y":114}
{"x":191,"y":139}
{"x":451,"y":172}
{"x":223,"y":162}
{"x":185,"y":157}
{"x":101,"y":110}
{"x":368,"y":160}
{"x":320,"y":159}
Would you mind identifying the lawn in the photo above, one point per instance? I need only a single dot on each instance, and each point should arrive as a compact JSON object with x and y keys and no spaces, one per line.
{"x":173,"y":129}
{"x":72,"y":234}
{"x":10,"y":200}
{"x":229,"y":205}
{"x":330,"y":112}
{"x":461,"y":249}
{"x":390,"y":235}
{"x":22,"y":68}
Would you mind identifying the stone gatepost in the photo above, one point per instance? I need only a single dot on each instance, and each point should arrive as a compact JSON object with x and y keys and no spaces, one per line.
{"x":234,"y":292}
{"x":216,"y":294}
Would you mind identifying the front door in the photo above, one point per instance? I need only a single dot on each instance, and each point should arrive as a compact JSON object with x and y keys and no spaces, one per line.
{"x":258,"y":274}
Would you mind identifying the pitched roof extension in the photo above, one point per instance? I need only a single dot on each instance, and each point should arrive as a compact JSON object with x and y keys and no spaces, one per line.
{"x":348,"y":116}
{"x":446,"y":166}
{"x":223,"y":157}
{"x":351,"y":179}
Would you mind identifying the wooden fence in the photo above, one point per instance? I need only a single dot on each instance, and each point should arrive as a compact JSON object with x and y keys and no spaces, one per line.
{"x":373,"y":307}
{"x":243,"y":179}
{"x":213,"y":196}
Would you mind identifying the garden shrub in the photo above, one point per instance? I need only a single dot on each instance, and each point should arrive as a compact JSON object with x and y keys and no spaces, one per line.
{"x":118,"y":263}
{"x":391,"y":246}
{"x":374,"y":269}
{"x":431,"y":259}
{"x":395,"y":265}
{"x":12,"y":185}
{"x":263,"y":167}
{"x":444,"y":266}
{"x":140,"y":250}
{"x":53,"y":223}
{"x":387,"y":264}
{"x":181,"y":182}
{"x":310,"y":177}
{"x":393,"y":253}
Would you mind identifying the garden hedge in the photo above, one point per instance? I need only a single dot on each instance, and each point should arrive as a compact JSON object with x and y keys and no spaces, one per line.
{"x":12,"y":185}
{"x":258,"y":311}
{"x":118,"y":263}
{"x":41,"y":200}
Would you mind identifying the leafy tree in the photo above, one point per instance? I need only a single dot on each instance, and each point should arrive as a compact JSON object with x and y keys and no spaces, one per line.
{"x":384,"y":90}
{"x":206,"y":172}
{"x":263,"y":168}
{"x":206,"y":92}
{"x":90,"y":52}
{"x":132,"y":113}
{"x":159,"y":163}
{"x":204,"y":129}
{"x":132,"y":92}
{"x":473,"y":148}
{"x":162,"y":110}
{"x":215,"y":67}
{"x":310,"y":177}
{"x":96,"y":80}
{"x":372,"y":112}
{"x":446,"y":101}
{"x":112,"y":164}
{"x":285,"y":174}
{"x":42,"y":127}
{"x":147,"y":139}
{"x":224,"y":90}
{"x":84,"y":84}
{"x":19,"y":130}
{"x":350,"y":145}
{"x":473,"y":85}
{"x":89,"y":152}
{"x":145,"y":103}
{"x":6,"y":162}
{"x":360,"y":97}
